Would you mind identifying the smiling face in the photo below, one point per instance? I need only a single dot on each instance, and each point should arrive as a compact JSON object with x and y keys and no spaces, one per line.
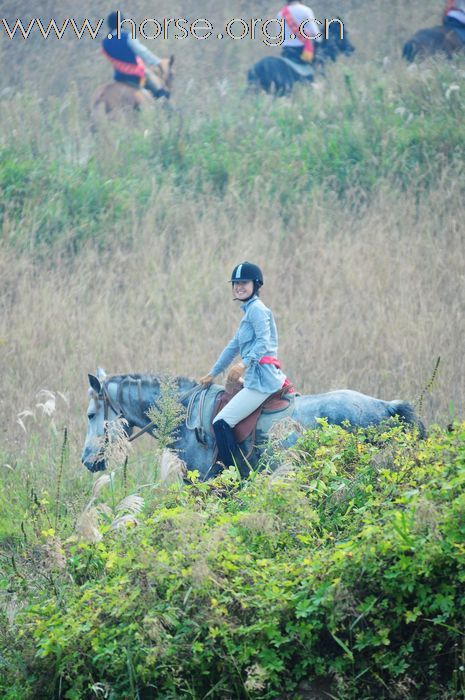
{"x":242,"y":289}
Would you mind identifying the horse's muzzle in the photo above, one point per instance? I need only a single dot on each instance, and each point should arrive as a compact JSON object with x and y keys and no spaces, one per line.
{"x":94,"y":464}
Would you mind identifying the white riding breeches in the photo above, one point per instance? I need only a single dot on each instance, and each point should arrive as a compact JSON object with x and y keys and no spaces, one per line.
{"x":241,"y":405}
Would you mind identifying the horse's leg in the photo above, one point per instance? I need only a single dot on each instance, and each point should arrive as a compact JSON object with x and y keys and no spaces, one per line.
{"x":259,"y":75}
{"x":409,"y":51}
{"x":452,"y":43}
{"x":97,"y":99}
{"x":253,"y":81}
{"x":274,"y":77}
{"x":138,"y":101}
{"x":287,"y":79}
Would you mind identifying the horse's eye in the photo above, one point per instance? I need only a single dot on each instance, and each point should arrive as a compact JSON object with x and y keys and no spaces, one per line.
{"x":91,"y":416}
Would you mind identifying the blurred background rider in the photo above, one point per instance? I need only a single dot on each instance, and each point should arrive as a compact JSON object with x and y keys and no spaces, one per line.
{"x":454,"y":17}
{"x":129,"y":57}
{"x":298,"y":45}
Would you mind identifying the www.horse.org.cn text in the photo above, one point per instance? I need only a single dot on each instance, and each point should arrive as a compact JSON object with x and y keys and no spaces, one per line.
{"x":269,"y":31}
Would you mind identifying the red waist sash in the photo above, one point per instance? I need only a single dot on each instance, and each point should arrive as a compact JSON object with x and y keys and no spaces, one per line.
{"x":126,"y":68}
{"x":307,"y":52}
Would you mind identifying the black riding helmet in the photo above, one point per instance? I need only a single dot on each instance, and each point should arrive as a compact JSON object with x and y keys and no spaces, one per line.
{"x":112,"y":20}
{"x":248,"y":272}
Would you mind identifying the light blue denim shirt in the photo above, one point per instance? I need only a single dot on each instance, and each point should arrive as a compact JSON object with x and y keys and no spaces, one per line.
{"x":256,"y":336}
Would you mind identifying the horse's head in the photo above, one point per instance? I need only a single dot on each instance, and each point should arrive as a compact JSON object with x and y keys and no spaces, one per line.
{"x":103,"y":422}
{"x":345,"y":46}
{"x":337,"y":42}
{"x":164,"y":74}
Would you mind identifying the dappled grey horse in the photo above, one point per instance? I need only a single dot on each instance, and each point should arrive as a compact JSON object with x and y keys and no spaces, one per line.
{"x":129,"y":396}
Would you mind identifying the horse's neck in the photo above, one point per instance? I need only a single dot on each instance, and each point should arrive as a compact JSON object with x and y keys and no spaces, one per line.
{"x":134,"y":394}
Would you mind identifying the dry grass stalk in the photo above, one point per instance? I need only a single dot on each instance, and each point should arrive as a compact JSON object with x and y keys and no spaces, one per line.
{"x":283,"y":428}
{"x":256,"y":678}
{"x":24,"y":414}
{"x":124,"y":521}
{"x":172,"y":468}
{"x":87,"y":527}
{"x":118,"y":447}
{"x":48,"y":405}
{"x":283,"y":472}
{"x":100,"y":484}
{"x":133,"y":504}
{"x":105,"y":510}
{"x":53,"y":554}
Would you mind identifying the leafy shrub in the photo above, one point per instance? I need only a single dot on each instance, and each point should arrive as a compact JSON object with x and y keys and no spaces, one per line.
{"x":346,"y":563}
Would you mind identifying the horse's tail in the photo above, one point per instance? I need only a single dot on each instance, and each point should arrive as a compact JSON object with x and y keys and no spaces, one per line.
{"x":405,"y":412}
{"x":409,"y":51}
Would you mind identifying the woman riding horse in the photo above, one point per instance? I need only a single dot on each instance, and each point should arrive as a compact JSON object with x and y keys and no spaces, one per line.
{"x":128,"y":58}
{"x":256,"y":341}
{"x":300,"y":30}
{"x":454,"y":17}
{"x":448,"y":38}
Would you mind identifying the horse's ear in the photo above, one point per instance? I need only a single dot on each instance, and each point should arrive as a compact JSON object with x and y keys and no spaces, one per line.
{"x":101,"y":374}
{"x":171,"y":59}
{"x":94,"y":383}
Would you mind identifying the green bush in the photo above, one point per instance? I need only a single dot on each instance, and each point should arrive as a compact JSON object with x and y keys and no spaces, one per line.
{"x":347,"y":563}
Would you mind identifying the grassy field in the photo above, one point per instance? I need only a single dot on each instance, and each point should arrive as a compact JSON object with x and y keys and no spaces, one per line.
{"x":116,"y":244}
{"x":352,"y":205}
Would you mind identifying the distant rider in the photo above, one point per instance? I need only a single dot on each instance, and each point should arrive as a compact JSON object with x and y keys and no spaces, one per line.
{"x":454,"y":17}
{"x":128,"y":58}
{"x":301,"y":31}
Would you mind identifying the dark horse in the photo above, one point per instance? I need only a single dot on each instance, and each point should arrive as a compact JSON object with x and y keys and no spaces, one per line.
{"x":278,"y":75}
{"x":427,"y":42}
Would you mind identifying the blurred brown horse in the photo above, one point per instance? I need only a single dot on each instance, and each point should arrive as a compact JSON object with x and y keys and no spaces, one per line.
{"x":115,"y":96}
{"x":428,"y":42}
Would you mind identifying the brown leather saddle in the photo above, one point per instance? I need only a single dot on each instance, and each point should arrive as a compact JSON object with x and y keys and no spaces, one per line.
{"x":276,"y":402}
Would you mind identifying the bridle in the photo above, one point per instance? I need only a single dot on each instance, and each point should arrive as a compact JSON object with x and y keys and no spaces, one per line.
{"x":108,"y":402}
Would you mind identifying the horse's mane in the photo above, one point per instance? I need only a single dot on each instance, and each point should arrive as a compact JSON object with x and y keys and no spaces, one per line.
{"x":183,"y":382}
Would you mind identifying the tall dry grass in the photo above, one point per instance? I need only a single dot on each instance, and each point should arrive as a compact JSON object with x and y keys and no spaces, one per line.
{"x":367,"y":293}
{"x":364,"y":298}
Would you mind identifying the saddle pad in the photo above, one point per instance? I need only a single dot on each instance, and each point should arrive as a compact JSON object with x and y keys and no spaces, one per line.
{"x":303,"y":71}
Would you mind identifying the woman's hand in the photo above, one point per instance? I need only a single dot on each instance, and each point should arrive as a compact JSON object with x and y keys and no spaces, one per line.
{"x":207,"y":380}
